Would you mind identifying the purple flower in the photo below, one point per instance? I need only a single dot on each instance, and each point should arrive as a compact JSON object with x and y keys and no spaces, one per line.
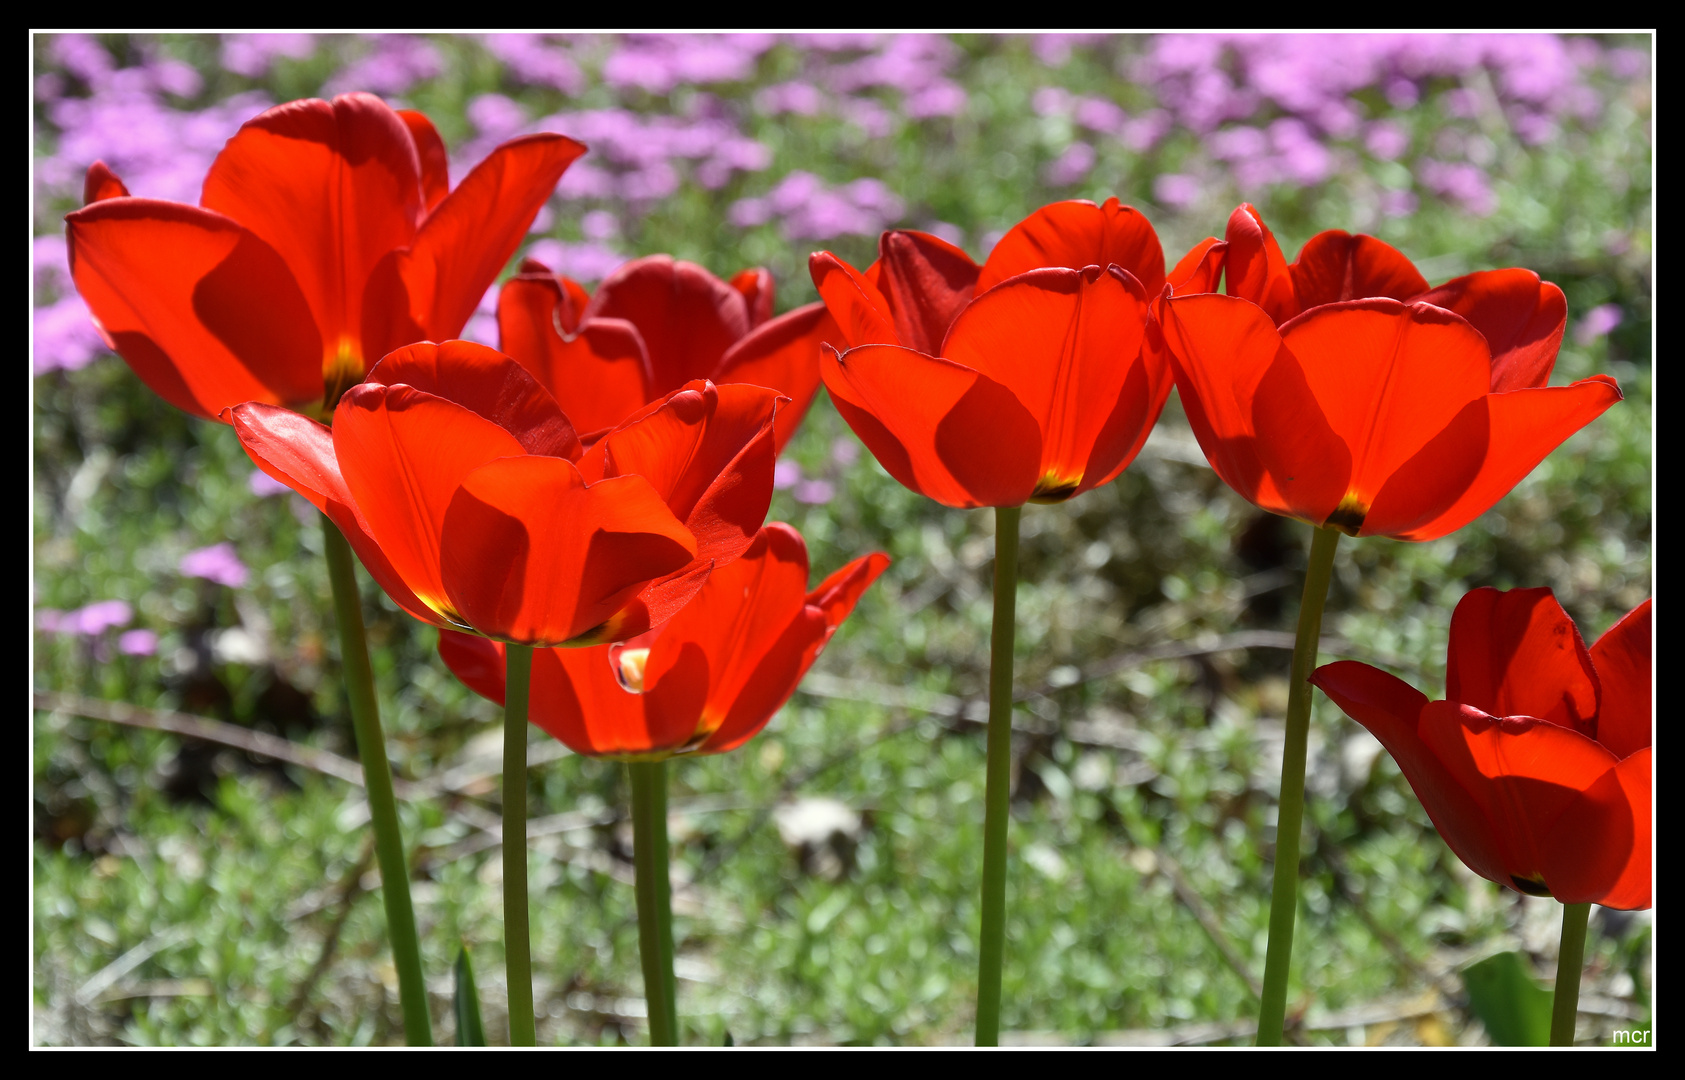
{"x":845,"y":451}
{"x":1072,"y":166}
{"x":814,"y":491}
{"x":263,"y":485}
{"x":599,"y":225}
{"x":397,"y":62}
{"x":590,"y":261}
{"x":495,"y":116}
{"x":1386,"y":140}
{"x":137,"y":643}
{"x":252,"y":55}
{"x":747,"y":213}
{"x":1051,"y":101}
{"x":1054,"y":49}
{"x":1100,"y":115}
{"x":802,"y":98}
{"x":786,"y":474}
{"x":1175,"y":190}
{"x":868,"y":115}
{"x":89,"y":621}
{"x":65,"y":338}
{"x":216,"y":563}
{"x":1597,"y":323}
{"x":530,"y":60}
{"x":1465,"y":183}
{"x":941,"y":98}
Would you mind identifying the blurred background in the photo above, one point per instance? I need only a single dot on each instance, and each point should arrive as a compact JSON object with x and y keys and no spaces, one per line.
{"x":188,"y":891}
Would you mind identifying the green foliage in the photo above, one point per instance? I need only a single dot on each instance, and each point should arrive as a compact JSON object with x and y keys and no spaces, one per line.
{"x":1514,"y":1008}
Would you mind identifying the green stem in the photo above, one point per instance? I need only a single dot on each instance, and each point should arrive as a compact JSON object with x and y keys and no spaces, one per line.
{"x":996,"y":808}
{"x":655,"y":901}
{"x":1570,"y":960}
{"x":1284,"y":896}
{"x":517,"y":940}
{"x":377,"y":784}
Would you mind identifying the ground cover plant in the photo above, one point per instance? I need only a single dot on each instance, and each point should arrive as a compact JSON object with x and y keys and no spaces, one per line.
{"x":195,"y":891}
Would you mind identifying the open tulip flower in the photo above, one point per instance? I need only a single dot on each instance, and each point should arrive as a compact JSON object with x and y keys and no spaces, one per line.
{"x":920,"y":283}
{"x":1521,"y":317}
{"x":464,"y":489}
{"x":1374,"y":417}
{"x":326,"y":237}
{"x":1536,"y":767}
{"x":1030,"y":378}
{"x":706,"y":681}
{"x":654,"y":325}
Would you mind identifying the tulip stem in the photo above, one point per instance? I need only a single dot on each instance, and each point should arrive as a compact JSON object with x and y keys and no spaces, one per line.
{"x":1284,"y":896}
{"x":1570,"y":960}
{"x":655,"y":900}
{"x":517,"y":938}
{"x":377,"y":784}
{"x":996,"y":797}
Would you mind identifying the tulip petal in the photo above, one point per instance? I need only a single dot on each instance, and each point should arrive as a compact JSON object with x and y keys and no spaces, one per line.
{"x":1395,"y":713}
{"x":431,"y":155}
{"x":1233,"y":370}
{"x":1335,"y":266}
{"x":938,"y":427}
{"x":708,"y":451}
{"x":529,"y":553}
{"x":861,"y":312}
{"x":102,"y":183}
{"x":488,"y":384}
{"x":757,"y":288}
{"x":332,"y":188}
{"x":1388,"y":377}
{"x":404,"y":453}
{"x":480,"y":663}
{"x":299,"y":452}
{"x":1200,"y":269}
{"x":1521,"y":317}
{"x":837,"y":594}
{"x":1523,"y":427}
{"x":783,"y":355}
{"x":467,"y":241}
{"x":735,"y":623}
{"x":1622,"y":659}
{"x":1065,"y":343}
{"x":217,"y":322}
{"x":1524,"y":775}
{"x":687,"y":316}
{"x":1255,"y":269}
{"x":599,"y":375}
{"x":1517,"y":653}
{"x":1600,"y":850}
{"x":926,"y":283}
{"x":1074,"y":234}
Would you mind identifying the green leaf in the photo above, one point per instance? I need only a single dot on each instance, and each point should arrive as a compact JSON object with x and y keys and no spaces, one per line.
{"x":1514,"y":1008}
{"x":469,"y":1029}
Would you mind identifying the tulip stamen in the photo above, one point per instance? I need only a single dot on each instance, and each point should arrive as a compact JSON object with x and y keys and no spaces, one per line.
{"x":343,"y":369}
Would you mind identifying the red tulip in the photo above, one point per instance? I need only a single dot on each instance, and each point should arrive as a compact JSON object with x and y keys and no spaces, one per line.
{"x":1521,"y":317}
{"x":326,"y":237}
{"x":1536,"y":769}
{"x":920,"y":283}
{"x":1030,"y":378}
{"x":467,"y":494}
{"x":704,"y":683}
{"x":654,"y":325}
{"x":1374,"y":417}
